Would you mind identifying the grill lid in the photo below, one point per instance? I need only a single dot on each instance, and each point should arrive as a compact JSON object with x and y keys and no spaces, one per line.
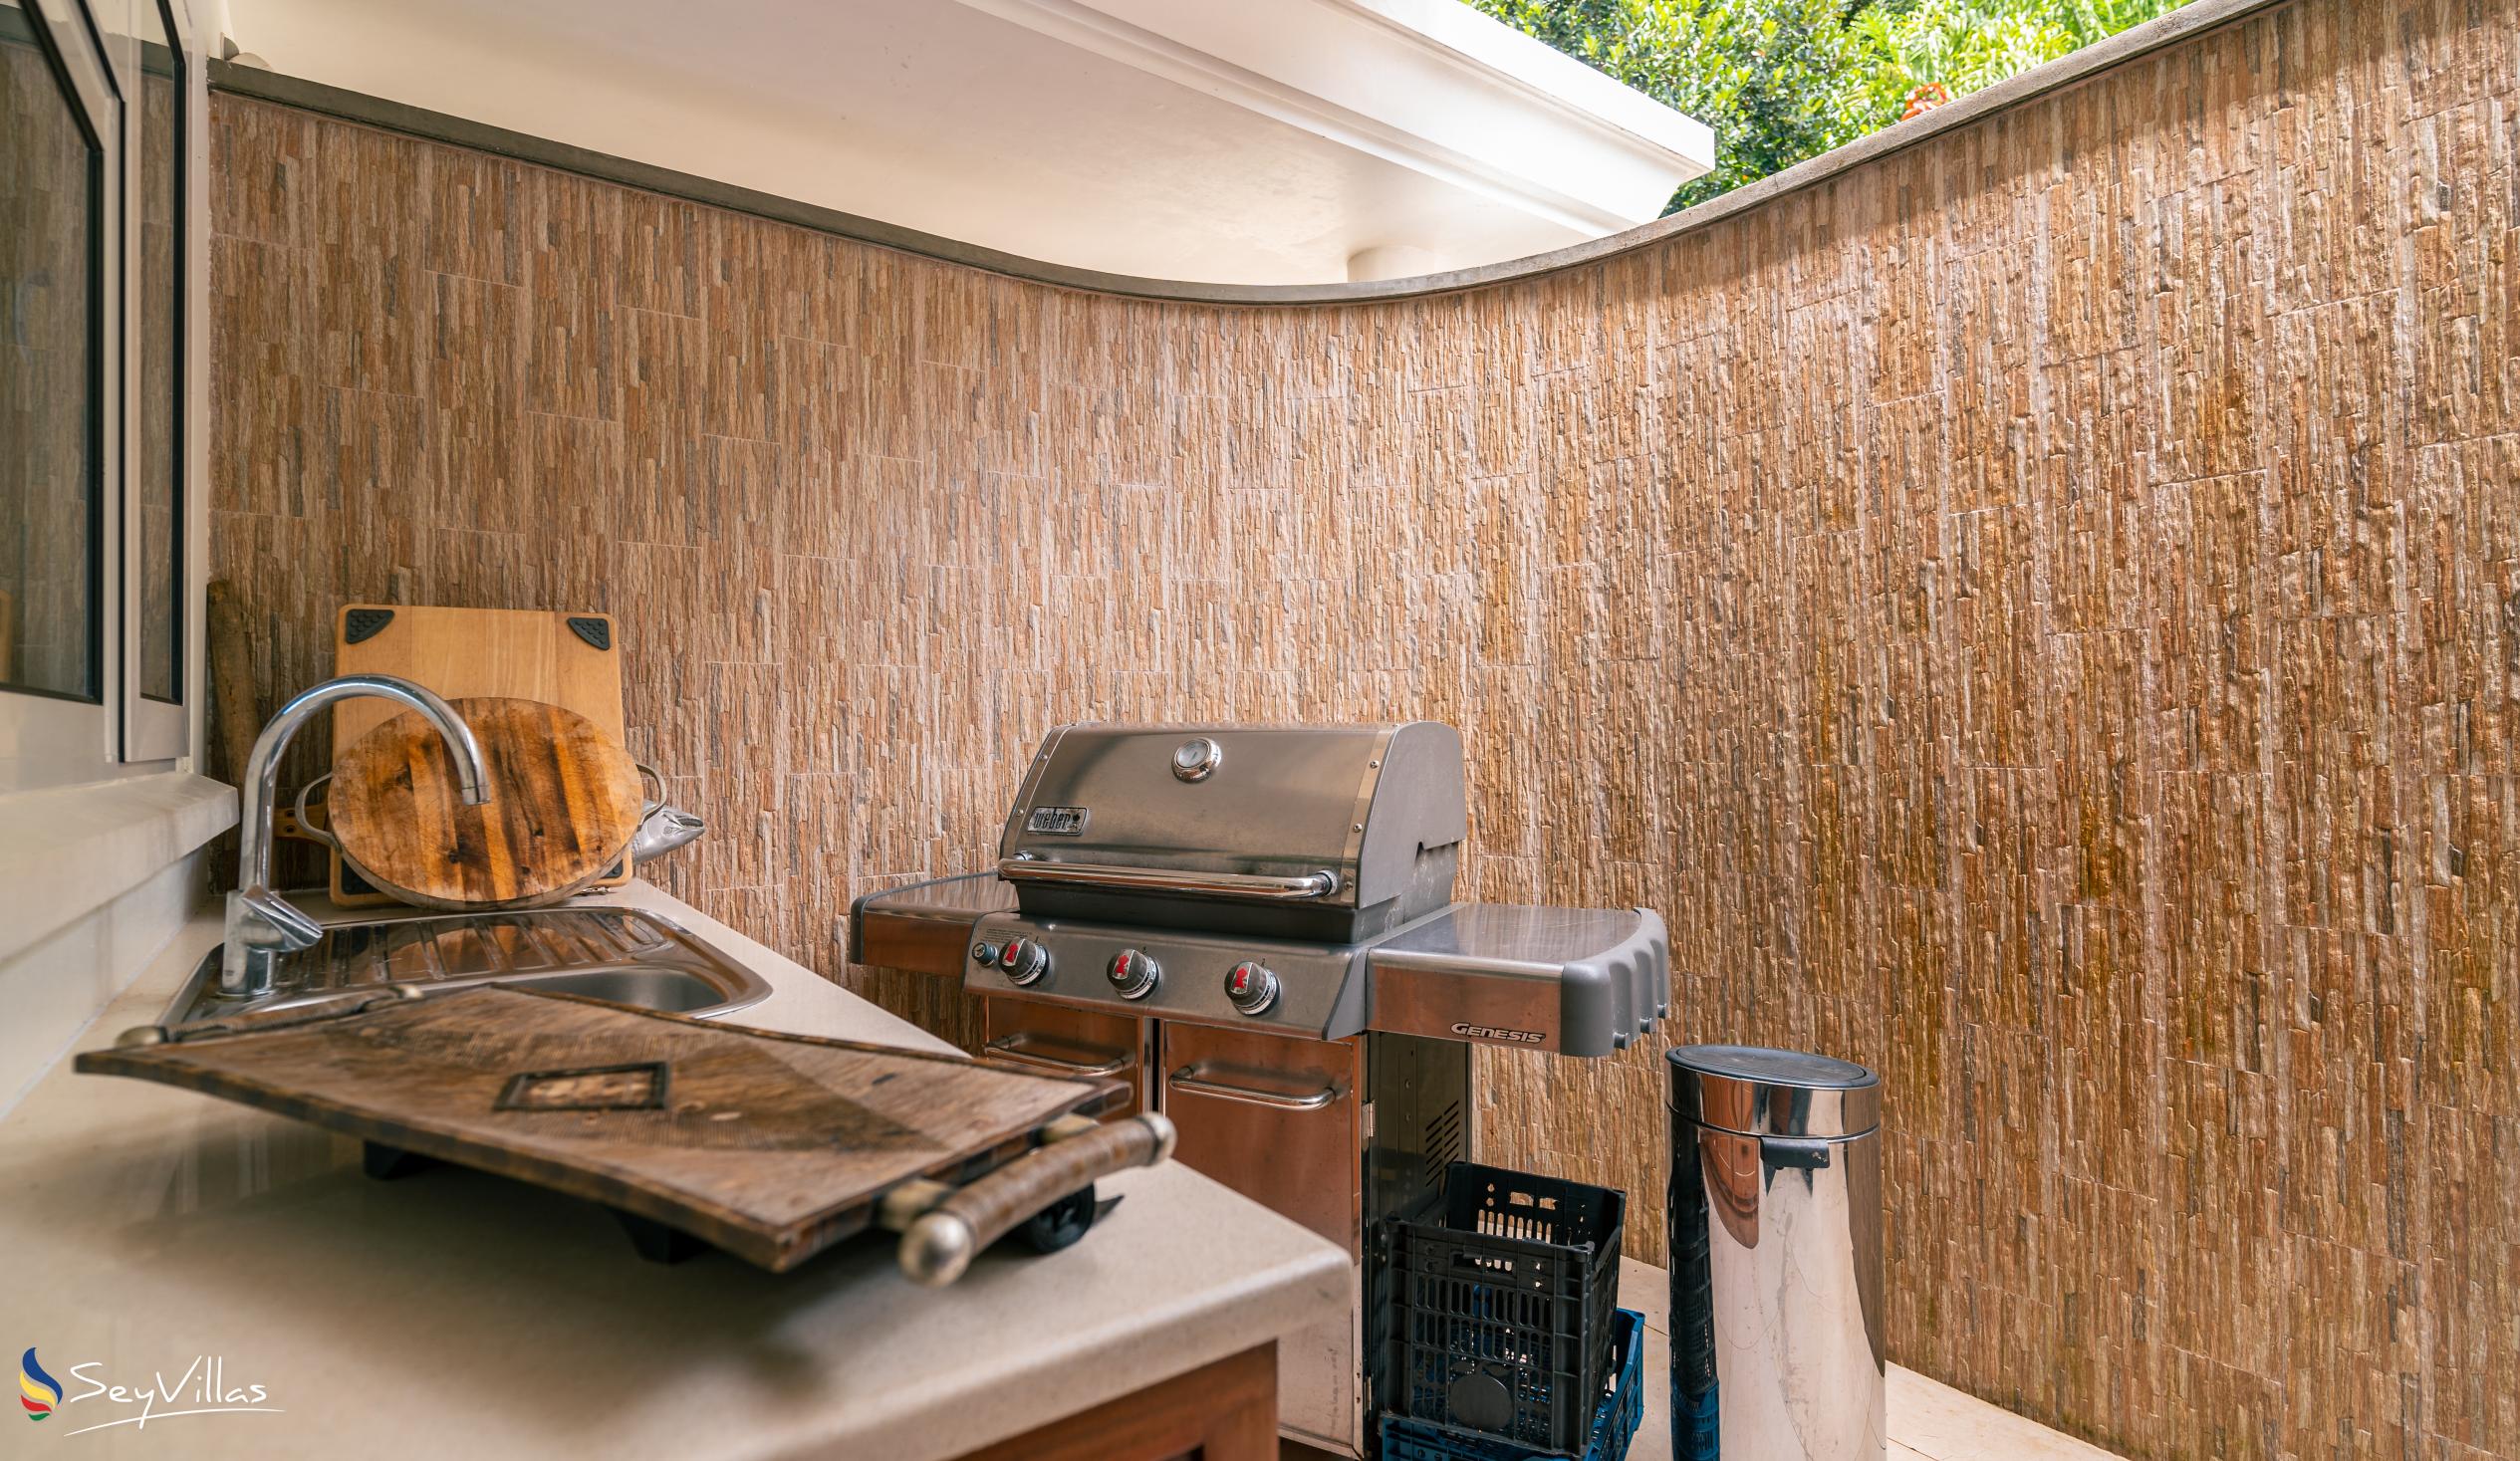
{"x":1343,"y":816}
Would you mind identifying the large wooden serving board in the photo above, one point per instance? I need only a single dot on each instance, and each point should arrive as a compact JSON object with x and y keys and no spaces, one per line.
{"x":771,"y":1146}
{"x":564,"y":803}
{"x":573,"y":660}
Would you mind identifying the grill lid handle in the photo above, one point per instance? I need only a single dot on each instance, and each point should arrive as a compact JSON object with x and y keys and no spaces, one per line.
{"x":1302,"y":886}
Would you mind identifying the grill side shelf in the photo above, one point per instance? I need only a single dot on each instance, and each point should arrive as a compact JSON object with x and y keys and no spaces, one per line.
{"x":1576,"y":981}
{"x":924,"y":927}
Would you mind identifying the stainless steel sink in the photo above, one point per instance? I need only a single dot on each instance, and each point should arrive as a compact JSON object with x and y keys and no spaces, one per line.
{"x":620,"y":954}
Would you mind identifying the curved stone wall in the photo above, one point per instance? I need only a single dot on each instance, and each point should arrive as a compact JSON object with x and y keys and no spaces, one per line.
{"x":2039,"y":613}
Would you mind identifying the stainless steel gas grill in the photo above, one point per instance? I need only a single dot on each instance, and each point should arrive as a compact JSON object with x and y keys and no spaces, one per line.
{"x":1255,"y":927}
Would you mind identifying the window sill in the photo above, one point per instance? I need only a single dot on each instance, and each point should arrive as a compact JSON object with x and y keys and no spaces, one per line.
{"x":67,"y":851}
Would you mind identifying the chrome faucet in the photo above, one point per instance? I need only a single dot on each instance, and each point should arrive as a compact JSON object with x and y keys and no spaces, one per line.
{"x":261,"y":925}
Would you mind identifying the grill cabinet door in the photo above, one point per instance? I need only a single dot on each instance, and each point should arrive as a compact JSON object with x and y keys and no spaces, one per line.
{"x":1279,"y":1121}
{"x":1053,"y":1040}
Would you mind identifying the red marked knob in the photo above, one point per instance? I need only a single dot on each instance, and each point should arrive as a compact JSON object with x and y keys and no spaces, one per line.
{"x":1251,"y":986}
{"x":1134,"y":974}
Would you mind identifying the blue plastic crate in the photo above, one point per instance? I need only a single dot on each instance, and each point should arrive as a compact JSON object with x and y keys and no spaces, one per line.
{"x":1614,"y":1423}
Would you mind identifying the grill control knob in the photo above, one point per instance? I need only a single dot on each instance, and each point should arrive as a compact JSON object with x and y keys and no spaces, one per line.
{"x":1133,"y":975}
{"x":1024,"y":960}
{"x":1251,"y":986}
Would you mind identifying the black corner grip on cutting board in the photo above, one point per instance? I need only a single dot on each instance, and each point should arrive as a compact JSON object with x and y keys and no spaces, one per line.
{"x":596,"y":632}
{"x":358,"y":625}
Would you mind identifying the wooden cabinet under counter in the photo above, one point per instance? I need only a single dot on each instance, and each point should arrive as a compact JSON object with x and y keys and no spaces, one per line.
{"x":1223,"y":1411}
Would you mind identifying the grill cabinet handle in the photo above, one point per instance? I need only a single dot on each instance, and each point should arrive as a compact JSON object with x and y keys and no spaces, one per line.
{"x":1016,"y":1050}
{"x":1188,"y":1079}
{"x":1163,"y":879}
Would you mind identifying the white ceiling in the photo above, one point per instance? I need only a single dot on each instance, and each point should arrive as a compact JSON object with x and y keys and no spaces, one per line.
{"x":1255,"y":141}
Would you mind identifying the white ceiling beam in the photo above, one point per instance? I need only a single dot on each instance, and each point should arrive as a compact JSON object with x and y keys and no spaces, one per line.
{"x":1427,"y":85}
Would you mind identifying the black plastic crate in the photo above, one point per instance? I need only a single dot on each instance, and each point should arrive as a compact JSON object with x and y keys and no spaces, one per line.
{"x":1502,"y":1306}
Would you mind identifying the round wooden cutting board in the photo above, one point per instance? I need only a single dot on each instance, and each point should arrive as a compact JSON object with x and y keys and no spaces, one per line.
{"x":563,"y":804}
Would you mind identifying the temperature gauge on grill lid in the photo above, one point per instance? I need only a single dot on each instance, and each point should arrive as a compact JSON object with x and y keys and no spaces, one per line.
{"x":1251,"y":986}
{"x":1134,"y":974}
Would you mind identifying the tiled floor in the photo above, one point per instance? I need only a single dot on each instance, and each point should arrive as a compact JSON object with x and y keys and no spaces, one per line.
{"x":1927,"y":1421}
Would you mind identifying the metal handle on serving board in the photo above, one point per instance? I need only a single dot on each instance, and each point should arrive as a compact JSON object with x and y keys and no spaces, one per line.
{"x":1319,"y":885}
{"x":1010,"y":1048}
{"x":1188,"y":1079}
{"x":943,"y":1229}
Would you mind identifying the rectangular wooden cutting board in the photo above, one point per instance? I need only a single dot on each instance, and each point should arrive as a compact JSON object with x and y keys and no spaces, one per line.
{"x":559,"y":657}
{"x":771,"y":1146}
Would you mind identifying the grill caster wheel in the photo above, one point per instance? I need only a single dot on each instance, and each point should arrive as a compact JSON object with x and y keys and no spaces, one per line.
{"x":1062,"y":1222}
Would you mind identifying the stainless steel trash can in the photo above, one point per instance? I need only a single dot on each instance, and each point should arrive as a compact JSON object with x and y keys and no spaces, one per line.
{"x":1776,"y":1257}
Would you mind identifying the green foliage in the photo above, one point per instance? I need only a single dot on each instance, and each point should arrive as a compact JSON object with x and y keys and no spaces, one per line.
{"x":1780,"y":81}
{"x":1966,"y":46}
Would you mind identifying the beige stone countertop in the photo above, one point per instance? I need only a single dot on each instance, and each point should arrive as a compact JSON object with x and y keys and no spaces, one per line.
{"x":152,"y":1235}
